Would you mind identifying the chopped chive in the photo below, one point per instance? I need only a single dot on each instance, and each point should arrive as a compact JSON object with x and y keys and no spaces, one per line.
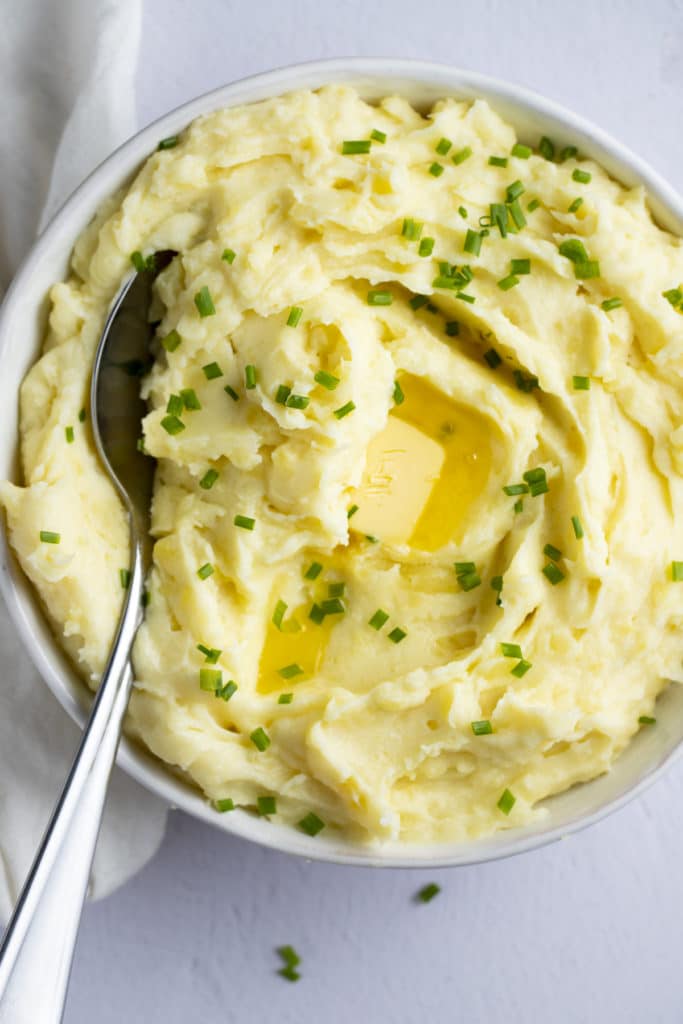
{"x":279,"y":614}
{"x":418,"y":301}
{"x":520,"y":266}
{"x":250,"y":376}
{"x":229,"y":255}
{"x":212,"y":371}
{"x":568,"y":153}
{"x":244,"y":522}
{"x":211,"y":654}
{"x":463,"y":568}
{"x":586,"y":269}
{"x":677,"y":572}
{"x":511,"y":650}
{"x":462,"y":155}
{"x":379,"y":297}
{"x":259,"y":737}
{"x":581,"y":176}
{"x":226,"y":804}
{"x":352,"y":147}
{"x":463,"y":213}
{"x":521,"y":151}
{"x":210,"y":679}
{"x":482,"y":728}
{"x":507,"y":799}
{"x":231,"y":391}
{"x":285,"y":698}
{"x":498,"y":213}
{"x":351,"y":511}
{"x":146,"y":598}
{"x":533,"y":475}
{"x":379,"y":619}
{"x":397,"y":634}
{"x":282,"y":394}
{"x":581,"y":383}
{"x":552,"y":552}
{"x":472,"y":243}
{"x":521,"y":668}
{"x":452,"y":329}
{"x":426,"y":248}
{"x":172,"y":425}
{"x":168,"y":143}
{"x":647,"y":720}
{"x":371,"y":539}
{"x":497,"y":585}
{"x":546,"y":148}
{"x":227,"y":691}
{"x":512,"y":489}
{"x":336,"y":589}
{"x":428,"y":892}
{"x":674,"y":296}
{"x":517,"y":214}
{"x":469,"y":581}
{"x":525,"y":382}
{"x":295,"y":314}
{"x":577,"y":527}
{"x":311,"y":824}
{"x":69,"y":434}
{"x":290,"y":671}
{"x":498,"y":161}
{"x":465,"y":297}
{"x":533,"y":205}
{"x":552,"y":573}
{"x":171,"y":341}
{"x":297,"y":402}
{"x":124,"y":576}
{"x":265,"y":804}
{"x":332,"y":606}
{"x":289,"y":955}
{"x":204,"y":302}
{"x":575,"y":205}
{"x":81,"y":416}
{"x":514,"y":191}
{"x":316,"y":614}
{"x":436,"y":170}
{"x":442,"y":146}
{"x":175,"y":406}
{"x":508,"y":282}
{"x":313,"y":571}
{"x":190,"y":400}
{"x":138,"y":261}
{"x":326,"y":380}
{"x":412,"y":229}
{"x":609,"y":304}
{"x":492,"y":358}
{"x":574,"y":250}
{"x":344,"y":410}
{"x":205,"y":571}
{"x":398,"y":395}
{"x":377,"y":136}
{"x":518,"y":506}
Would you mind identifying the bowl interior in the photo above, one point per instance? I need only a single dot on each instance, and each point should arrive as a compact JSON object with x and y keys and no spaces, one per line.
{"x":22,"y":321}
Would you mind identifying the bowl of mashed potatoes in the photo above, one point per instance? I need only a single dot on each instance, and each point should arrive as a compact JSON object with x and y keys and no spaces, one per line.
{"x":416,"y":406}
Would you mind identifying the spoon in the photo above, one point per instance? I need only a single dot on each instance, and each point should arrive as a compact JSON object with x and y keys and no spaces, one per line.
{"x":38,"y":944}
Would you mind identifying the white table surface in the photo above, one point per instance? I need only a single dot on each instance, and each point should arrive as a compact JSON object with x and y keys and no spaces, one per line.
{"x":586,"y":930}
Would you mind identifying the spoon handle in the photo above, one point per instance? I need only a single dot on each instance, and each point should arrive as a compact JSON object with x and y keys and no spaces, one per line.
{"x":37,"y":948}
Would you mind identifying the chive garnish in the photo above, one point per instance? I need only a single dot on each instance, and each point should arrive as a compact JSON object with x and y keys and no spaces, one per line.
{"x":379,"y":297}
{"x":175,"y":406}
{"x":332,"y":606}
{"x":250,"y":377}
{"x":546,"y":148}
{"x":69,"y":434}
{"x":226,"y":804}
{"x":498,"y":213}
{"x":190,"y":400}
{"x":209,"y":479}
{"x":231,"y":391}
{"x":507,"y":799}
{"x":244,"y":522}
{"x":581,"y":383}
{"x":498,"y":161}
{"x":210,"y":679}
{"x":352,"y":147}
{"x":282,"y":394}
{"x":204,"y":302}
{"x":124,"y":577}
{"x":497,"y":585}
{"x":168,"y":143}
{"x":326,"y":380}
{"x":568,"y":153}
{"x":285,"y":698}
{"x":81,"y":416}
{"x":609,"y":304}
{"x":511,"y":650}
{"x":290,"y":671}
{"x":647,"y":720}
{"x":575,"y":205}
{"x":492,"y":358}
{"x":436,"y":170}
{"x":508,"y":282}
{"x":518,"y":506}
{"x":463,"y":213}
{"x":212,"y":371}
{"x":462,"y":155}
{"x":517,"y":214}
{"x":514,"y":191}
{"x":259,"y":737}
{"x":398,"y":395}
{"x":379,"y":619}
{"x":552,"y":552}
{"x":397,"y":634}
{"x":521,"y":151}
{"x":442,"y":146}
{"x":677,"y":572}
{"x":351,"y":511}
{"x":316,"y":614}
{"x":533,"y":205}
{"x":292,"y":961}
{"x":211,"y":654}
{"x":525,"y":382}
{"x":577,"y":527}
{"x":452,"y":328}
{"x":411,"y":229}
{"x":536,"y":478}
{"x":313,"y":571}
{"x":279,"y":614}
{"x":520,"y":266}
{"x":418,"y":301}
{"x":428,"y":892}
{"x":482,"y":728}
{"x":426,"y":248}
{"x":205,"y":571}
{"x":172,"y":425}
{"x":472,"y":243}
{"x":344,"y":410}
{"x":583,"y":177}
{"x":311,"y":824}
{"x":587,"y":269}
{"x":574,"y":250}
{"x":674,"y":296}
{"x":229,"y":255}
{"x":297,"y":402}
{"x":138,"y":261}
{"x":171,"y":341}
{"x":512,"y":489}
{"x":464,"y":297}
{"x":552,"y":573}
{"x":521,"y":668}
{"x":265,"y":804}
{"x":336,"y":589}
{"x":377,"y":136}
{"x":295,"y":314}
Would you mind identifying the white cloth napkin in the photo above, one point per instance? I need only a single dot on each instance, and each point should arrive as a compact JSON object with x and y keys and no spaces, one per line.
{"x":67,"y":76}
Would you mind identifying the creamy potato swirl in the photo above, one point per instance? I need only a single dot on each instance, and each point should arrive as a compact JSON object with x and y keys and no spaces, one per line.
{"x":418,"y":421}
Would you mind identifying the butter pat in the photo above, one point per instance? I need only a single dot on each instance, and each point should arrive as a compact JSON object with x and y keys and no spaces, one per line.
{"x":402,"y":466}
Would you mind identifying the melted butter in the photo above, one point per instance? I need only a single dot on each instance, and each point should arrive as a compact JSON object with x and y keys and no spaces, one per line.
{"x":420,"y":485}
{"x":304,"y":647}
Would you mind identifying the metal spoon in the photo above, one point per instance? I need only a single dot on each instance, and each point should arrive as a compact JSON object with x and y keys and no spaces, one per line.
{"x":38,"y":944}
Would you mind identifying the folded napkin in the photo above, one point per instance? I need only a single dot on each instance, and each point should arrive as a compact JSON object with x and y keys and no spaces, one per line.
{"x":67,"y":75}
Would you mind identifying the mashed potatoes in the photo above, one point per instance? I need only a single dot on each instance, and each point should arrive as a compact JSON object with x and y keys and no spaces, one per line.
{"x":418,"y":514}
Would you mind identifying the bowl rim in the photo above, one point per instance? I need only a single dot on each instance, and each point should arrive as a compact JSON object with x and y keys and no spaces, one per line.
{"x":443,"y":80}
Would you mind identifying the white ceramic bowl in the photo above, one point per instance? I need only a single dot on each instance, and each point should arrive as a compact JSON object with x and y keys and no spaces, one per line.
{"x":22,"y":320}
